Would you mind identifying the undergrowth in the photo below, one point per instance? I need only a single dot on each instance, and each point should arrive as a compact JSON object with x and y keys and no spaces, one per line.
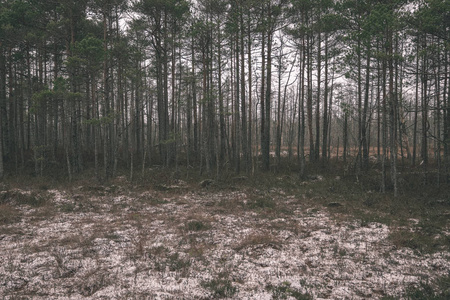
{"x":418,"y":216}
{"x":285,"y":291}
{"x":220,"y":288}
{"x":439,"y":289}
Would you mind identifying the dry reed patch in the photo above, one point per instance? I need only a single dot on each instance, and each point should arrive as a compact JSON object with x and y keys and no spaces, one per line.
{"x":287,"y":224}
{"x":138,"y":247}
{"x":419,"y":240}
{"x":73,"y":241}
{"x":152,"y":198}
{"x":231,"y":203}
{"x":195,"y":221}
{"x":93,"y":281}
{"x":198,"y":250}
{"x":255,"y":239}
{"x":9,"y":214}
{"x":23,"y":197}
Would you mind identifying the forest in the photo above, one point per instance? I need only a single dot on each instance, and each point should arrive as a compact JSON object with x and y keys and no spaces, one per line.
{"x":239,"y":85}
{"x":235,"y":149}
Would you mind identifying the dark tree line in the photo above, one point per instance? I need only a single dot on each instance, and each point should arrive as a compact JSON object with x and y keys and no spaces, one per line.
{"x":224,"y":84}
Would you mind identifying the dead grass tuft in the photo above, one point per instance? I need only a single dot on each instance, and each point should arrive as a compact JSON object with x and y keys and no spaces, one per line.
{"x":157,"y":252}
{"x":419,"y":241}
{"x":198,"y":250}
{"x":19,"y":197}
{"x":258,"y":239}
{"x":291,"y":226}
{"x":197,"y":225}
{"x":9,"y":214}
{"x":264,"y":202}
{"x":220,"y":288}
{"x":285,"y":291}
{"x":93,"y":281}
{"x":198,"y":222}
{"x":152,"y":199}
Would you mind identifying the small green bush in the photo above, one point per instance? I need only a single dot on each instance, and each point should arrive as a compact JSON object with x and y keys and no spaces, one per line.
{"x":23,"y":198}
{"x":195,"y":225}
{"x":262,"y":202}
{"x":285,"y":291}
{"x":426,"y":292}
{"x":220,"y":288}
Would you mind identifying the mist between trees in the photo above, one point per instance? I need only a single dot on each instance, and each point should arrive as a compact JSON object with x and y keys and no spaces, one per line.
{"x":224,"y":84}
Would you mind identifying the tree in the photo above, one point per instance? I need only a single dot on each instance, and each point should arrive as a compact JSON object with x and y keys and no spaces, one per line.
{"x":159,"y":17}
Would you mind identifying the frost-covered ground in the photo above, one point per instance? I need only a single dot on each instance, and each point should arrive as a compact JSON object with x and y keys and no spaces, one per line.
{"x":111,"y":243}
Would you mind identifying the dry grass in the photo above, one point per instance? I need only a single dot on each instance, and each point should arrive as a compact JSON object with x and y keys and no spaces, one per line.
{"x":419,"y":240}
{"x":253,"y":239}
{"x":198,"y":222}
{"x":211,"y":238}
{"x":198,"y":250}
{"x":220,"y":287}
{"x":23,"y":197}
{"x":286,"y":291}
{"x":9,"y":214}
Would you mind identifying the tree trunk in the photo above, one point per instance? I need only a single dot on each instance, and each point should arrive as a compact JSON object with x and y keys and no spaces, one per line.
{"x":325,"y":106}
{"x":237,"y":125}
{"x":424,"y":150}
{"x":268,"y":96}
{"x":365,"y":117}
{"x":264,"y":151}
{"x":393,"y":115}
{"x":244,"y":136}
{"x":309,"y":104}
{"x":250,"y":127}
{"x":301,"y":107}
{"x":2,"y":106}
{"x":319,"y":78}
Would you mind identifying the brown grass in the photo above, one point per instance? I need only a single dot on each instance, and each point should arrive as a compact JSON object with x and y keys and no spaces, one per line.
{"x":9,"y":214}
{"x":257,"y":239}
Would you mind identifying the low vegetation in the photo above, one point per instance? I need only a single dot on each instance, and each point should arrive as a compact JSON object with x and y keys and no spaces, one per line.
{"x":272,"y":235}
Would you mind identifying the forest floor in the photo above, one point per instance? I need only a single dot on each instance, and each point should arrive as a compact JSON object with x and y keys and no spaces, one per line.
{"x":274,"y":237}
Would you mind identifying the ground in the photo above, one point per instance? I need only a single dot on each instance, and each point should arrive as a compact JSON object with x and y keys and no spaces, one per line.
{"x":181,"y":240}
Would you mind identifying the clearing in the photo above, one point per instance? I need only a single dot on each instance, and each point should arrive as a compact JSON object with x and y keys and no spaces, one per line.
{"x":270,"y":238}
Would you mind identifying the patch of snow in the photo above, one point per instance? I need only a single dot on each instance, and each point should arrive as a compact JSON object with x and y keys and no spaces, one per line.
{"x":140,"y":251}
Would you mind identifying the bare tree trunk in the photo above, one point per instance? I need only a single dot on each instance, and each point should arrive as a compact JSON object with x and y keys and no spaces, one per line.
{"x":2,"y":170}
{"x":365,"y":117}
{"x":131,"y":164}
{"x":416,"y":104}
{"x":268,"y":96}
{"x":438,"y":121}
{"x":309,"y":104}
{"x":237,"y":125}
{"x":424,"y":152}
{"x":250,"y":127}
{"x":2,"y":106}
{"x":278,"y":120}
{"x":319,"y":78}
{"x":325,"y":106}
{"x":446,"y":116}
{"x":345,"y":137}
{"x":358,"y":161}
{"x":301,"y":122}
{"x":393,"y":116}
{"x":384,"y":133}
{"x":243,"y":106}
{"x":264,"y":151}
{"x":223,"y":147}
